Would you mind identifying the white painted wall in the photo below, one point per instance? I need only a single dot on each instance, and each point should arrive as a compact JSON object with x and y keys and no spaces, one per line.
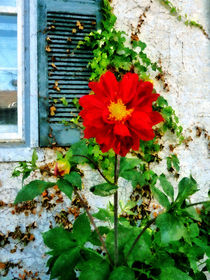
{"x":184,"y":53}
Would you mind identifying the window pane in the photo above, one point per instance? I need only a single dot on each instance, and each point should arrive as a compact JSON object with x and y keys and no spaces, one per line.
{"x":8,"y":73}
{"x":8,"y":3}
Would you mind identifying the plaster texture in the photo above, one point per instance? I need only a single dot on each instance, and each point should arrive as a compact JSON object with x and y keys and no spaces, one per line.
{"x":184,"y":55}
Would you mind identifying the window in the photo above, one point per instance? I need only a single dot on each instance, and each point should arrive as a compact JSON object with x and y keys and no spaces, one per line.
{"x":39,"y":53}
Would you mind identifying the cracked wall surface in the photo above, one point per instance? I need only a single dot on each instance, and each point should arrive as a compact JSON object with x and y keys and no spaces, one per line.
{"x":184,"y":55}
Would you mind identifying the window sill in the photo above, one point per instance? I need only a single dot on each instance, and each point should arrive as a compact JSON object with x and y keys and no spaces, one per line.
{"x":19,"y":154}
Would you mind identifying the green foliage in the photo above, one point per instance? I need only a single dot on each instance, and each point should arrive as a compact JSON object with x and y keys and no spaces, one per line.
{"x":121,"y":273}
{"x":167,"y":187}
{"x":31,"y":190}
{"x":185,"y":19}
{"x":25,"y":168}
{"x":104,"y":189}
{"x":65,"y":187}
{"x":173,"y":163}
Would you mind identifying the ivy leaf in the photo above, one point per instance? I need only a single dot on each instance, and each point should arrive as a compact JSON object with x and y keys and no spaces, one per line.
{"x":31,"y":190}
{"x":186,"y":187}
{"x":171,"y":227}
{"x":161,"y":197}
{"x":59,"y":239}
{"x":173,"y":273}
{"x":167,"y":187}
{"x":81,"y":229}
{"x":104,"y":189}
{"x":65,"y":187}
{"x":122,"y":273}
{"x":74,"y":179}
{"x":65,"y":263}
{"x":79,"y":149}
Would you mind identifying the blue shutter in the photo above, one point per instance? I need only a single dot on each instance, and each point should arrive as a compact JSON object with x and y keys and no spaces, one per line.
{"x":62,"y":69}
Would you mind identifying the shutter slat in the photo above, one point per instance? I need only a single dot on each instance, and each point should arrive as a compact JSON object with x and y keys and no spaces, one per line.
{"x":64,"y":67}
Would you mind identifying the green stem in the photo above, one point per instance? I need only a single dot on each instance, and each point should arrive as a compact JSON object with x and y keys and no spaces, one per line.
{"x":84,"y":204}
{"x":138,"y":237}
{"x":116,"y":175}
{"x":96,"y":166}
{"x":197,"y":203}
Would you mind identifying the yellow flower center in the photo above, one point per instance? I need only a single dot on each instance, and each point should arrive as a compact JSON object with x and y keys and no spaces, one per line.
{"x":118,"y":110}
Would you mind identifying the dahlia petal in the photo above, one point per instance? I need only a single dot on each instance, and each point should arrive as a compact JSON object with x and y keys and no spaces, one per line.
{"x":109,"y":84}
{"x":144,"y":88}
{"x":121,"y":129}
{"x":145,"y":102}
{"x":140,"y":120}
{"x":128,"y":87}
{"x":156,"y":117}
{"x":88,"y":101}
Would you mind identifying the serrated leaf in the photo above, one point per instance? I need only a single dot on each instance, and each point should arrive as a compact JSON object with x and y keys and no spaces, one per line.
{"x":79,"y":150}
{"x":95,"y":270}
{"x":31,"y":190}
{"x":104,"y":189}
{"x":171,"y":227}
{"x":167,"y":187}
{"x":186,"y":187}
{"x":103,"y":215}
{"x":160,"y":197}
{"x":94,"y":239}
{"x":122,"y":273}
{"x":65,"y":263}
{"x":173,"y":273}
{"x":128,"y":164}
{"x":74,"y":179}
{"x":65,"y":187}
{"x":142,"y":251}
{"x":81,"y":229}
{"x":59,"y":239}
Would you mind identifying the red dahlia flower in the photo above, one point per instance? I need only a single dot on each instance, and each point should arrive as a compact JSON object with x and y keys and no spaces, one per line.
{"x":119,"y":114}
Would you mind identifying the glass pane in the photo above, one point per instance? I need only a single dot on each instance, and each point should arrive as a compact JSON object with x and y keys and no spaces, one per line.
{"x":8,"y":3}
{"x":8,"y":73}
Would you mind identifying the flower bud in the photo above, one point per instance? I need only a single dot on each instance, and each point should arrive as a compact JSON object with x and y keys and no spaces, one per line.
{"x":62,"y":167}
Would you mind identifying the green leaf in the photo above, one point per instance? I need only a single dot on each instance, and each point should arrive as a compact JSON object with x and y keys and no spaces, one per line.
{"x":208,"y":264}
{"x":94,"y":239}
{"x":167,"y":187}
{"x":31,"y":190}
{"x":173,"y":273}
{"x":192,"y":213}
{"x":186,"y":187}
{"x":171,"y":227}
{"x":128,"y":164}
{"x":59,"y":239}
{"x":142,"y":251}
{"x":34,"y":158}
{"x":161,"y":197}
{"x":65,"y":263}
{"x":104,"y":189}
{"x":95,"y":270}
{"x":79,"y":149}
{"x":103,"y":215}
{"x":193,"y":230}
{"x":122,"y":273}
{"x":74,"y":179}
{"x":175,"y":162}
{"x":65,"y":187}
{"x":81,"y":229}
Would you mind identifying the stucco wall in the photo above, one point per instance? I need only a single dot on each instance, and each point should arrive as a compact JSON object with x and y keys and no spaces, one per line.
{"x":184,"y":55}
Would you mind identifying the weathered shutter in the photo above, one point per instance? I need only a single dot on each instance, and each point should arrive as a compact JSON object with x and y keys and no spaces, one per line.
{"x":62,"y":69}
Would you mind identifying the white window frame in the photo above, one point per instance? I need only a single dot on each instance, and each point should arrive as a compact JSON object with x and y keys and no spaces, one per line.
{"x":19,"y":10}
{"x":20,"y":146}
